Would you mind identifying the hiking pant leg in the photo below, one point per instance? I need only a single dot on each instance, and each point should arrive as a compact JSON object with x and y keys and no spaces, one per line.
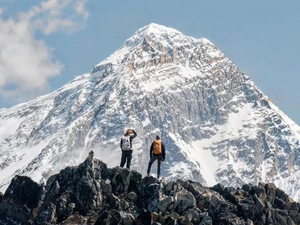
{"x":129,"y":157}
{"x":150,"y":164}
{"x":123,"y":159}
{"x":158,"y":166}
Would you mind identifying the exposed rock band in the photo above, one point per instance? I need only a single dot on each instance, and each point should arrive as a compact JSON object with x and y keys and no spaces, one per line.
{"x":157,"y":151}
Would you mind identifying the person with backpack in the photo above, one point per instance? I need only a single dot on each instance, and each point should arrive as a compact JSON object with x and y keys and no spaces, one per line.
{"x":157,"y":152}
{"x":126,"y":147}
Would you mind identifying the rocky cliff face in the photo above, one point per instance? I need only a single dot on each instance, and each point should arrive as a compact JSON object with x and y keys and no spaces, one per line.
{"x":92,"y":193}
{"x":216,"y":125}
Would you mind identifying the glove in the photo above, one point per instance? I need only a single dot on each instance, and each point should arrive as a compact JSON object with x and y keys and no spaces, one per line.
{"x":163,"y":159}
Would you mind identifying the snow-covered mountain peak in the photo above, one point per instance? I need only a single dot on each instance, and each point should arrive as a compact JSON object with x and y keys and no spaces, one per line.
{"x":216,"y":124}
{"x":152,"y":49}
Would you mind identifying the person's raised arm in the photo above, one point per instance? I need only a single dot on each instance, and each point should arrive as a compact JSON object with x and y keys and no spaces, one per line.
{"x":134,"y":134}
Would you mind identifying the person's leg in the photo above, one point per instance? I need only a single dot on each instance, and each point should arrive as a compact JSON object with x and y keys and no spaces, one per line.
{"x":123,"y":159}
{"x":158,"y":166}
{"x":129,"y":157}
{"x":150,"y":164}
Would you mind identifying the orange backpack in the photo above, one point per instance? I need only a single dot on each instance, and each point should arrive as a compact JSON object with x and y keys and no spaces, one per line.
{"x":157,"y":147}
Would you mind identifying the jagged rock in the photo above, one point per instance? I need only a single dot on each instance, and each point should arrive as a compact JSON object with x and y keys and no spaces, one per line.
{"x":174,"y":215}
{"x":183,"y":200}
{"x":169,"y":187}
{"x":132,"y":196}
{"x":102,"y":218}
{"x":162,"y":220}
{"x":25,"y":191}
{"x":248,"y":188}
{"x":124,"y":205}
{"x":259,"y":204}
{"x":206,"y":220}
{"x":121,"y":180}
{"x":127,"y":218}
{"x":115,"y":217}
{"x":75,"y":219}
{"x":281,"y":195}
{"x":193,"y":215}
{"x":150,"y":192}
{"x":277,"y":217}
{"x":144,"y":218}
{"x":22,"y":199}
{"x":164,"y":203}
{"x":155,"y":217}
{"x":279,"y":203}
{"x":170,"y":220}
{"x":79,"y":195}
{"x":271,"y":192}
{"x":249,"y":211}
{"x":114,"y":201}
{"x":260,"y":191}
{"x":249,"y":222}
{"x":106,"y":186}
{"x":218,"y":188}
{"x":47,"y":216}
{"x":204,"y":200}
{"x":219,"y":209}
{"x":196,"y":189}
{"x":55,"y":188}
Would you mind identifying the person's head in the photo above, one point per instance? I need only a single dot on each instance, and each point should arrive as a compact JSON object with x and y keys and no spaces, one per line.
{"x":157,"y":137}
{"x":128,"y":132}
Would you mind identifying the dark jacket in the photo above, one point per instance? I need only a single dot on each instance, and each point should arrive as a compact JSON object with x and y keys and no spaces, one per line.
{"x":163,"y":151}
{"x":131,"y":138}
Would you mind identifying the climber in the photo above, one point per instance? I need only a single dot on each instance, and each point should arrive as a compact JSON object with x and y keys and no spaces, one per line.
{"x":126,"y":147}
{"x":157,"y":152}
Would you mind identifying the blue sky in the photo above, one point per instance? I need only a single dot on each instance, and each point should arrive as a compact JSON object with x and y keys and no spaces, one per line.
{"x":46,"y":44}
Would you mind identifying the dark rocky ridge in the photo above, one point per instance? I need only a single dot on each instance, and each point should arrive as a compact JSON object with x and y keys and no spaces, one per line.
{"x":94,"y":194}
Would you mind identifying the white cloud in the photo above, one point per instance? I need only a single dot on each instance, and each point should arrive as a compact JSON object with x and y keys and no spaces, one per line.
{"x":26,"y":63}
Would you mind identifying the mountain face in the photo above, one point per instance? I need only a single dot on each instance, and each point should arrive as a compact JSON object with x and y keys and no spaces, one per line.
{"x":217,"y":126}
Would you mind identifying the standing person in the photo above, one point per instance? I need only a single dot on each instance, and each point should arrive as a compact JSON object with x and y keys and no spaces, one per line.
{"x":157,"y":152}
{"x":126,"y":147}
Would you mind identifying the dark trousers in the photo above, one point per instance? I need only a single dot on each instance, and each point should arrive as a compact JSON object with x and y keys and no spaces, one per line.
{"x":126,"y":156}
{"x":153,"y":158}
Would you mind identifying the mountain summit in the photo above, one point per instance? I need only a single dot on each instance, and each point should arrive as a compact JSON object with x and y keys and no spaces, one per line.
{"x":216,"y":125}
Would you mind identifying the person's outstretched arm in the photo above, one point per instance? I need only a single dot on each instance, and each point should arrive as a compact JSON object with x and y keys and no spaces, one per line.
{"x":163,"y":151}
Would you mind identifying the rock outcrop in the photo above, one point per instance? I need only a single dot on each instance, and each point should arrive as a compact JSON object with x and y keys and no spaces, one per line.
{"x":92,"y":193}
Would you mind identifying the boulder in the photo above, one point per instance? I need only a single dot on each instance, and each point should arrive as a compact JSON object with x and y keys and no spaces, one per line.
{"x":164,"y":203}
{"x":271,"y":192}
{"x":24,"y":191}
{"x":218,"y":188}
{"x":193,"y":214}
{"x":184,"y":200}
{"x":204,"y":200}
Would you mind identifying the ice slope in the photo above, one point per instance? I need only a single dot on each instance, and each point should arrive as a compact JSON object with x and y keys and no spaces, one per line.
{"x":217,"y":126}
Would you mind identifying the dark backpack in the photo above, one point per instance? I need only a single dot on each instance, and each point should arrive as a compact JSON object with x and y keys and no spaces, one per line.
{"x":126,"y":143}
